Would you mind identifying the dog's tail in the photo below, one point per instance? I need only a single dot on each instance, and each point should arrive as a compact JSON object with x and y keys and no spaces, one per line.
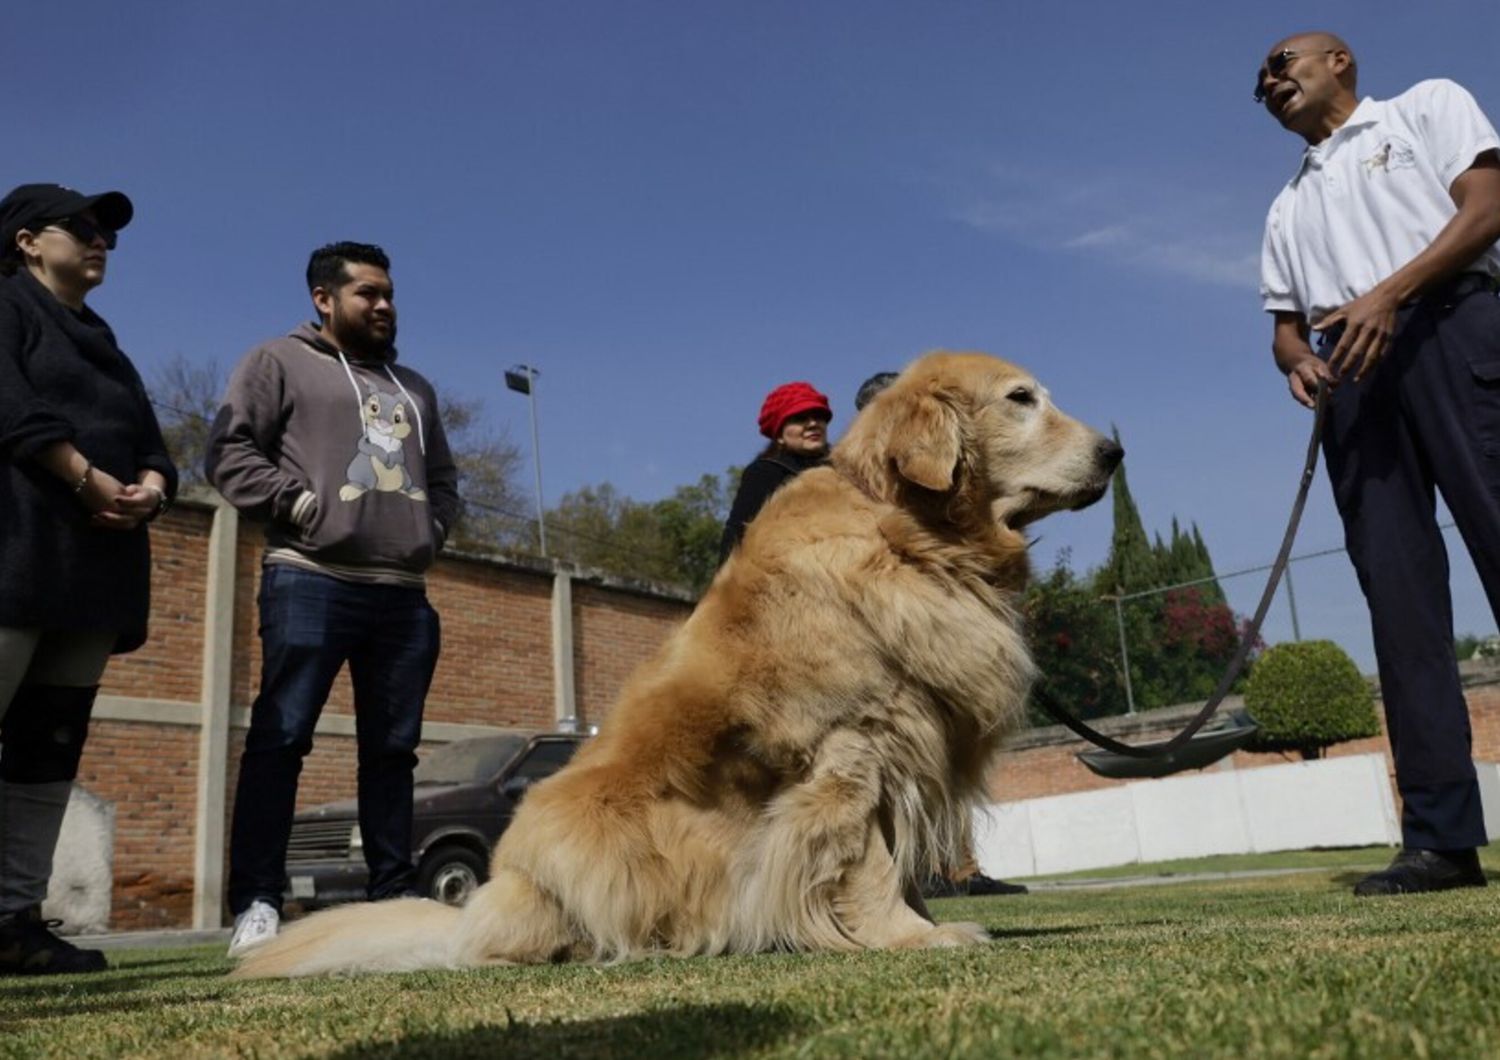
{"x":401,"y":935}
{"x":508,"y":920}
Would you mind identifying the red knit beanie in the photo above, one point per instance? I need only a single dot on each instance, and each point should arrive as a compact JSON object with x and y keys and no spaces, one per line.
{"x":785,"y":402}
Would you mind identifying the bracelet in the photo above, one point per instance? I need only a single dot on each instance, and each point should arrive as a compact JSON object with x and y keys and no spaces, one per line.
{"x":83,"y":479}
{"x":163,"y":502}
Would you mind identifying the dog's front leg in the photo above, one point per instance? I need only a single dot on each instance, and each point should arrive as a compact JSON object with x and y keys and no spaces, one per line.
{"x":820,"y":874}
{"x":876,"y":906}
{"x":809,"y":837}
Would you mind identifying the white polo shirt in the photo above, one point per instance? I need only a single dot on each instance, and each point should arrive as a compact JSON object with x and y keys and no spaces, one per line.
{"x":1371,"y":197}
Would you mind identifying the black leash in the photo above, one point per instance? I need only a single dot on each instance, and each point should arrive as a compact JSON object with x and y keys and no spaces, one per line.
{"x":1157,"y":750}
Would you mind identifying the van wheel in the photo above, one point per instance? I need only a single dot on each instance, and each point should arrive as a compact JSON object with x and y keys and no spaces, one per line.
{"x":450,"y":874}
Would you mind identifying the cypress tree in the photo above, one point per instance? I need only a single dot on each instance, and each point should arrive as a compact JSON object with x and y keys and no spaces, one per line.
{"x":1212,"y":592}
{"x":1132,"y":563}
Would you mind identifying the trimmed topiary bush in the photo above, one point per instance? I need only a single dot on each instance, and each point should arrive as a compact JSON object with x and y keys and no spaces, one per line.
{"x":1307,"y":696}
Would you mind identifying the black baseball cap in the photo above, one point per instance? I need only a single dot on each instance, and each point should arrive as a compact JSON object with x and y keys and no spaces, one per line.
{"x":30,"y":203}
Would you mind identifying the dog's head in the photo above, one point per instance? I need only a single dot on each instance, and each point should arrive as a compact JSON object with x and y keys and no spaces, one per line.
{"x":971,"y":437}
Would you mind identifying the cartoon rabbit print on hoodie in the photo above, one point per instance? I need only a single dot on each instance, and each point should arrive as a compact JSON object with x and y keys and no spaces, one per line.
{"x":381,"y":461}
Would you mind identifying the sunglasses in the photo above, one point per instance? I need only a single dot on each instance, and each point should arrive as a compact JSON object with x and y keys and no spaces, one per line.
{"x":84,"y":230}
{"x":1276,"y":65}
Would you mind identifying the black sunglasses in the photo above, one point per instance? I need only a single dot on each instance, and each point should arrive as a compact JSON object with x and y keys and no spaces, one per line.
{"x":1276,"y":65}
{"x":85,"y":231}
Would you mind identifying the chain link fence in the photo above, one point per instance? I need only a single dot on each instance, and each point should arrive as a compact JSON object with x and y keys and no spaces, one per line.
{"x":1318,"y":598}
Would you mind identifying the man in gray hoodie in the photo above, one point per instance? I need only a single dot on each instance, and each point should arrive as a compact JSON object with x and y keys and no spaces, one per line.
{"x":342,"y":453}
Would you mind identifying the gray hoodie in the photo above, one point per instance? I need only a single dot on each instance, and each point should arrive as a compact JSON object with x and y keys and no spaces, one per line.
{"x":347,"y":459}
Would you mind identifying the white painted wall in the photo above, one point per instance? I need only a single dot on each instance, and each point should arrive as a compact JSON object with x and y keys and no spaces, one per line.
{"x":1489,"y":797}
{"x":1331,"y":803}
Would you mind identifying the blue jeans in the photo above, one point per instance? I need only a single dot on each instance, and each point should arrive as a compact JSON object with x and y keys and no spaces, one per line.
{"x":310,"y":625}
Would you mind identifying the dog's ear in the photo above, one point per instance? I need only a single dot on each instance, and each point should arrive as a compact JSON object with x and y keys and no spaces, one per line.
{"x":924,"y":441}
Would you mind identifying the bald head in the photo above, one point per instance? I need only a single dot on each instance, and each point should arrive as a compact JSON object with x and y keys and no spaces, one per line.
{"x":1320,"y":41}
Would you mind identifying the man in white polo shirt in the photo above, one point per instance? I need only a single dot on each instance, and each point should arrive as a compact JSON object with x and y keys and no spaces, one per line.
{"x":1384,"y":243}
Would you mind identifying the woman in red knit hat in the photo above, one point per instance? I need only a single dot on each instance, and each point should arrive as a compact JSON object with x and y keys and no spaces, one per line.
{"x":795,"y":418}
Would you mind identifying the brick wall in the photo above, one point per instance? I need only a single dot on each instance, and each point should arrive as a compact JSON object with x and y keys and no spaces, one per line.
{"x":168,"y":665}
{"x":150,"y":773}
{"x":612,"y":632}
{"x":1484,"y":715}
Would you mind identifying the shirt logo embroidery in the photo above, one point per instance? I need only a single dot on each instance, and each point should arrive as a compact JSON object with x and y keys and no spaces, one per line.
{"x":1394,"y":153}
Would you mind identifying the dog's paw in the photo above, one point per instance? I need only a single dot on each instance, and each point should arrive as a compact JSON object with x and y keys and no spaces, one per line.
{"x":947,"y":937}
{"x":959,"y":933}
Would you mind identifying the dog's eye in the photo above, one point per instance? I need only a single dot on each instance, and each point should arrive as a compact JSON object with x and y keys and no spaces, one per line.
{"x":1021,"y":396}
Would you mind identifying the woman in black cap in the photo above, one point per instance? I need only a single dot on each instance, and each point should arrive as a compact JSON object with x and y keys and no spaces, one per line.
{"x":84,"y":470}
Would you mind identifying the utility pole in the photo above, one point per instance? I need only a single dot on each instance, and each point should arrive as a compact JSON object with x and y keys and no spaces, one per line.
{"x":1124,"y":653}
{"x":1291,"y":599}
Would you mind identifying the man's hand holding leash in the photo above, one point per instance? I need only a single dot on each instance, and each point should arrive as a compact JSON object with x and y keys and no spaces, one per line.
{"x":1369,"y":324}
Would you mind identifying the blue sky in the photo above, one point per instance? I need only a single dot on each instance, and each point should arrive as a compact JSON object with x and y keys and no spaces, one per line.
{"x":671,"y":207}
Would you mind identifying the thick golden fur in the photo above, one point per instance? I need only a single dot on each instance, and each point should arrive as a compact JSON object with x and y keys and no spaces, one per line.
{"x":813,"y":737}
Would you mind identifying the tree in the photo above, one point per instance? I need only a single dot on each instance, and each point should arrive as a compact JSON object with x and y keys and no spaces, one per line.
{"x":1307,"y":696}
{"x":599,"y":527}
{"x":186,"y":395}
{"x":674,"y":540}
{"x":1074,"y":645}
{"x":1132,"y":562}
{"x":489,"y":469}
{"x":1213,"y":591}
{"x":692,"y":522}
{"x":1181,"y":637}
{"x":1196,"y":638}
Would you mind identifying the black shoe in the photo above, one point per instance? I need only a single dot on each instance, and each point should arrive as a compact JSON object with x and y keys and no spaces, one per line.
{"x":979,"y":883}
{"x":1417,"y":871}
{"x":937,"y":886}
{"x":28,"y":947}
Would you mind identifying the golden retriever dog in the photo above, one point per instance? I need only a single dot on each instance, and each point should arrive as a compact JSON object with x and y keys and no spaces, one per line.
{"x":812,"y":738}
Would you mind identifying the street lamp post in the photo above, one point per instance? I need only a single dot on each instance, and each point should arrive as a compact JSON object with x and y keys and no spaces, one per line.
{"x":520,"y":378}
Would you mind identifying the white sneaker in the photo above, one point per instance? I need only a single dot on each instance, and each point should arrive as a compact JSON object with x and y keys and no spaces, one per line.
{"x":255,"y":925}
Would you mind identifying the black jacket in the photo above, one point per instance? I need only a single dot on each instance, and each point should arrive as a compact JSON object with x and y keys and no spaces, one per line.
{"x":63,"y":378}
{"x":762,"y":478}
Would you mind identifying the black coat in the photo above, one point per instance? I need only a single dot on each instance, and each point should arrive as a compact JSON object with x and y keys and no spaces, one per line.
{"x":63,"y":378}
{"x":763,"y":477}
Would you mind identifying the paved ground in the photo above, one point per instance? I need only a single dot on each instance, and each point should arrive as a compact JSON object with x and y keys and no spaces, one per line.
{"x":1157,"y":881}
{"x":125,"y":940}
{"x":141,"y":940}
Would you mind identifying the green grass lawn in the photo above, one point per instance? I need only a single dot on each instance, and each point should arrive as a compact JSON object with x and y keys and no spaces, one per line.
{"x":1351,"y":859}
{"x":1284,"y":966}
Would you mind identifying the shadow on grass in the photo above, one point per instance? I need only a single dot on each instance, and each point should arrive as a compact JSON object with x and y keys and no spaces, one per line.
{"x":696,"y":1030}
{"x":116,"y":961}
{"x":998,"y":934}
{"x":1353,"y":876}
{"x":87,"y":1006}
{"x":98,"y":984}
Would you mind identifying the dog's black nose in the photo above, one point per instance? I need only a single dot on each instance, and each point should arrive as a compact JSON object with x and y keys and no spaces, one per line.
{"x":1111,"y":453}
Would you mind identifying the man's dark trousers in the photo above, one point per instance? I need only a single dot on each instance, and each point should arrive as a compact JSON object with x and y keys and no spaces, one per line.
{"x":310,"y":625}
{"x":1427,"y":417}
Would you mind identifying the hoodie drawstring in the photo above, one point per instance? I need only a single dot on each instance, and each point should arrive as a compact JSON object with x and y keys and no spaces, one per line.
{"x":359,"y":399}
{"x":416,"y":409}
{"x":359,"y":402}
